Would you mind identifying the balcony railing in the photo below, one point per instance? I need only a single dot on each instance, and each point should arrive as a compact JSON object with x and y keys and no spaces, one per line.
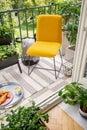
{"x":23,"y":20}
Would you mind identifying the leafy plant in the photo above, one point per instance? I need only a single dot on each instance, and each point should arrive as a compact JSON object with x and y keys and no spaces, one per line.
{"x":72,"y":28}
{"x":5,"y":31}
{"x":25,"y":118}
{"x":74,"y":93}
{"x":7,"y":51}
{"x":70,"y":11}
{"x":6,"y":34}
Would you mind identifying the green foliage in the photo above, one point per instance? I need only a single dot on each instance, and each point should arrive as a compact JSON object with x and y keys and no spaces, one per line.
{"x":25,"y":118}
{"x":5,"y":31}
{"x":72,"y":28}
{"x":74,"y":93}
{"x":7,"y":51}
{"x":16,"y":4}
{"x":70,"y":11}
{"x":4,"y":5}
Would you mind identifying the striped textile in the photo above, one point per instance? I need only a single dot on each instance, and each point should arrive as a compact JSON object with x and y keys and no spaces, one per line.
{"x":40,"y":85}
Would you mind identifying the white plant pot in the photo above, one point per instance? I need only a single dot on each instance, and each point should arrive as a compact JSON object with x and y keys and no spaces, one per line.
{"x":68,"y":71}
{"x":69,"y":54}
{"x":82,"y":113}
{"x":65,"y":43}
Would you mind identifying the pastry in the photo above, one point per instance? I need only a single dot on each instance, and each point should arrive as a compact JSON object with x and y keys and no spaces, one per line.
{"x":3,"y":96}
{"x":3,"y":92}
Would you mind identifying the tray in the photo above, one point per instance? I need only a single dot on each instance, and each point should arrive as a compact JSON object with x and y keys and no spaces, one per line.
{"x":10,"y":86}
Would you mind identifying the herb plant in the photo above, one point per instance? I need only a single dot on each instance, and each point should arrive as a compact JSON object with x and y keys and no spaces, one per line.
{"x":70,"y":11}
{"x":5,"y":31}
{"x":7,"y":51}
{"x":25,"y":118}
{"x":74,"y":93}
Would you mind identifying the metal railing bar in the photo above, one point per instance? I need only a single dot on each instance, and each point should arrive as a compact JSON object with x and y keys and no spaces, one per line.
{"x":33,"y":22}
{"x":11,"y":25}
{"x":22,"y":9}
{"x":26,"y":23}
{"x":19,"y":26}
{"x":44,"y":10}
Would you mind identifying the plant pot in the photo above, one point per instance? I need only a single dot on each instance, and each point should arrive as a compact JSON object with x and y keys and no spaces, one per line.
{"x":68,"y":70}
{"x":9,"y":61}
{"x":69,"y":54}
{"x":5,"y":41}
{"x":65,"y":42}
{"x":44,"y":124}
{"x":84,"y":114}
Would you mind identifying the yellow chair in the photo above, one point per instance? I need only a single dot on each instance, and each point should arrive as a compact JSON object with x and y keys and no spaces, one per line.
{"x":48,"y":38}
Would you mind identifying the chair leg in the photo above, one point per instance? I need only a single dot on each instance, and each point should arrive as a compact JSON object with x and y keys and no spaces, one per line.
{"x":61,"y":62}
{"x":19,"y":67}
{"x":56,"y":76}
{"x":29,"y":65}
{"x":55,"y":67}
{"x":29,"y":72}
{"x":56,"y":71}
{"x":61,"y":57}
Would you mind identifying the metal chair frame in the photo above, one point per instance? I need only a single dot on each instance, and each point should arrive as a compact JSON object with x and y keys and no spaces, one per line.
{"x":56,"y":76}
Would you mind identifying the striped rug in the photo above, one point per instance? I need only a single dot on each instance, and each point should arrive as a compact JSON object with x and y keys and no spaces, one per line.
{"x":40,"y":85}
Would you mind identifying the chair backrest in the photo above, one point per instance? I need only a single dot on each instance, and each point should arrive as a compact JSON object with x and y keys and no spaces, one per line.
{"x":49,"y":28}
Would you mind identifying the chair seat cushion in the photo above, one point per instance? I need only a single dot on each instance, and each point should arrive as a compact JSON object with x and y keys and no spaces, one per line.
{"x":44,"y":49}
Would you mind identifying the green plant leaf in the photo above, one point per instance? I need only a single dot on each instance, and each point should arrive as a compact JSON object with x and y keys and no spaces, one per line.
{"x":25,"y":118}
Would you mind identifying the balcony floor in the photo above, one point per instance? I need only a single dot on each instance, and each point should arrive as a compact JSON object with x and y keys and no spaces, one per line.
{"x":40,"y":85}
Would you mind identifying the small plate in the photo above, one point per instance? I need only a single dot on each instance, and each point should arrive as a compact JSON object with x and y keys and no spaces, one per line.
{"x":10,"y":86}
{"x":8,"y":100}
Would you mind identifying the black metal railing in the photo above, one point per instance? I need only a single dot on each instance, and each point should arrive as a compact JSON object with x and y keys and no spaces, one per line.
{"x":23,"y":20}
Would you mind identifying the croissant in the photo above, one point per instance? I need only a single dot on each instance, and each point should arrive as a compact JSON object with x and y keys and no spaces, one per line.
{"x":3,"y":92}
{"x":8,"y":95}
{"x":3,"y":96}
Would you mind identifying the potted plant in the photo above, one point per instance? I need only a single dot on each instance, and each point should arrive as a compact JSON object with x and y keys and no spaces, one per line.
{"x":5,"y":34}
{"x":25,"y":118}
{"x":68,"y":69}
{"x":8,"y":56}
{"x":75,"y":93}
{"x":70,"y":11}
